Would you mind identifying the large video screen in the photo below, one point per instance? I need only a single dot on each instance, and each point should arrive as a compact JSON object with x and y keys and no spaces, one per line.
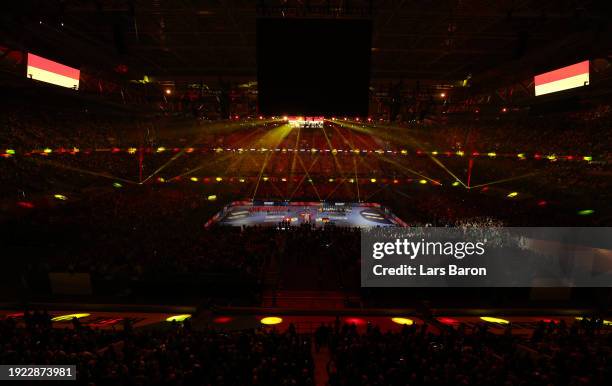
{"x":48,"y":71}
{"x":313,"y":66}
{"x":576,"y":75}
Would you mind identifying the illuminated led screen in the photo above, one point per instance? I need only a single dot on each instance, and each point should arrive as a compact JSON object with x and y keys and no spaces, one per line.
{"x":576,"y":75}
{"x":48,"y":71}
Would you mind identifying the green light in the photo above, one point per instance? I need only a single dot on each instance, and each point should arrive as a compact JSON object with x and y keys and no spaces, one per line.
{"x":585,"y":212}
{"x":117,"y":185}
{"x":69,"y":317}
{"x":178,"y":318}
{"x":587,"y":158}
{"x":456,"y":183}
{"x":10,"y":151}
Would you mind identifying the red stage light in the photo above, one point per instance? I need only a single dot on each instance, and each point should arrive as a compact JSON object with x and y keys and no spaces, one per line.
{"x":355,"y":321}
{"x":448,"y":321}
{"x":222,"y":319}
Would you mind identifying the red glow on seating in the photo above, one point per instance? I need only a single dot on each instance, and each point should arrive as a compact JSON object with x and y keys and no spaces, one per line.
{"x":542,"y":203}
{"x":355,"y":321}
{"x":448,"y":321}
{"x":222,"y":319}
{"x":25,"y":204}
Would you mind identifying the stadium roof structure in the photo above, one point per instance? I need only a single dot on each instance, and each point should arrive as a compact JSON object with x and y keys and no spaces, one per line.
{"x":433,"y":42}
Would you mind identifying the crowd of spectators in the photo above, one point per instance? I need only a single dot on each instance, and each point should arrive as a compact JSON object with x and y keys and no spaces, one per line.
{"x":583,"y":133}
{"x":178,"y":355}
{"x":552,"y":353}
{"x":470,"y":356}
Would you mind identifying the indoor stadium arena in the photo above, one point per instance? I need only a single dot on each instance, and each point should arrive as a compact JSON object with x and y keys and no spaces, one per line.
{"x":306,"y":192}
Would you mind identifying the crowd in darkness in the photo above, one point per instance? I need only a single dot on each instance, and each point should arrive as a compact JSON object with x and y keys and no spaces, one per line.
{"x":177,"y":355}
{"x":180,"y":355}
{"x":556,"y":354}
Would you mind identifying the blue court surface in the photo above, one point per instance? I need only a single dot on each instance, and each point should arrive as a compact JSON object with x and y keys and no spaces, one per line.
{"x":319,"y":214}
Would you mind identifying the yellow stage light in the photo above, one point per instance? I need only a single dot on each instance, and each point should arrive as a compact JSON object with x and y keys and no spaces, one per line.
{"x":494,"y":320}
{"x":178,"y":318}
{"x":270,"y":320}
{"x":404,"y":321}
{"x":69,"y":317}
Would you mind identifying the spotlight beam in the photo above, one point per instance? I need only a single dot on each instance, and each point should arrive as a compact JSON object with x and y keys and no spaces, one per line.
{"x":506,"y":180}
{"x":85,"y":171}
